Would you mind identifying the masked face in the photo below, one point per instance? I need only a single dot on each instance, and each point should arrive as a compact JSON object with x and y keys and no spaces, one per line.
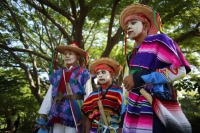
{"x":103,"y":76}
{"x":134,"y":28}
{"x":70,"y":57}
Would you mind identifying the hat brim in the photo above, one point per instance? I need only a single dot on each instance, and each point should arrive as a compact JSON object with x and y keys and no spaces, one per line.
{"x":62,"y":49}
{"x":110,"y":62}
{"x":140,"y":8}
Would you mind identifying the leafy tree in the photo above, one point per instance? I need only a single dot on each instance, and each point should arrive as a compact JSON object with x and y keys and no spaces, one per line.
{"x":31,"y":29}
{"x":190,"y":105}
{"x":15,"y":97}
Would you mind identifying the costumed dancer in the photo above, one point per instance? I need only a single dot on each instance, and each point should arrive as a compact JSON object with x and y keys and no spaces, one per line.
{"x":154,"y":63}
{"x":69,"y":87}
{"x":103,"y":105}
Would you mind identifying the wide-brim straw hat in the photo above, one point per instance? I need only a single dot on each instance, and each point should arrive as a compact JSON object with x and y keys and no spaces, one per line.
{"x":110,"y":62}
{"x":73,"y":47}
{"x":144,"y":9}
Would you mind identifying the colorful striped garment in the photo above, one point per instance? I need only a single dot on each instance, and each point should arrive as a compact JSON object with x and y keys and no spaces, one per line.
{"x":159,"y":51}
{"x":157,"y":63}
{"x":173,"y":117}
{"x":111,"y":100}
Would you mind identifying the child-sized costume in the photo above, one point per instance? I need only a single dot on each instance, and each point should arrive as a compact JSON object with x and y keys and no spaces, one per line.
{"x":109,"y":99}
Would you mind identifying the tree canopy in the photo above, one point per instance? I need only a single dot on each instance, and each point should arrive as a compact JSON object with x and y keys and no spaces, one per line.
{"x":31,"y":29}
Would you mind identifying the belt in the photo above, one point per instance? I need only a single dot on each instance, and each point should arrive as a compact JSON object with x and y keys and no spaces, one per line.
{"x":58,"y":99}
{"x":77,"y":97}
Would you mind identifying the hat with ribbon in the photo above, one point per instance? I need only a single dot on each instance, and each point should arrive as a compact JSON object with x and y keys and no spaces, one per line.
{"x":133,"y":9}
{"x":110,"y":63}
{"x":73,"y":46}
{"x":61,"y":49}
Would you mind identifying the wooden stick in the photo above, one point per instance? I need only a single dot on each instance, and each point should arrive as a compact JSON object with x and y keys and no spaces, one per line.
{"x":146,"y":95}
{"x":102,"y":112}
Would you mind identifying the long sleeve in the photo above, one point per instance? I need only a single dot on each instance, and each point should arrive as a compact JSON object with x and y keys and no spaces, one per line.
{"x":88,"y":88}
{"x":164,"y":75}
{"x":159,"y":76}
{"x":162,"y":60}
{"x":47,"y":102}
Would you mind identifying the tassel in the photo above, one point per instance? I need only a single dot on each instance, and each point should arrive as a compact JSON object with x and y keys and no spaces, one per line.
{"x":55,"y":58}
{"x":122,"y":39}
{"x":125,"y":43}
{"x":86,"y":59}
{"x":156,"y":15}
{"x":51,"y":64}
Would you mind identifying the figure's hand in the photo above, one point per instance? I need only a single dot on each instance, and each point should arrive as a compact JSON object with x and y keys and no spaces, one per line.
{"x":128,"y":82}
{"x":82,"y":123}
{"x":45,"y":117}
{"x":86,"y":123}
{"x":43,"y":127}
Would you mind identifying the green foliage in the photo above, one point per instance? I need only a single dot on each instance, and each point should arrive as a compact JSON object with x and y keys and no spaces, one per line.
{"x":191,"y":84}
{"x":191,"y":108}
{"x":30,"y":30}
{"x":16,"y":98}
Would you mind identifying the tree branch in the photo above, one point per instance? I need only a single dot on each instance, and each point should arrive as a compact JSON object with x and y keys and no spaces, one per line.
{"x":24,"y":50}
{"x":111,"y":42}
{"x":15,"y":21}
{"x":115,"y":40}
{"x":189,"y":34}
{"x":57,"y":9}
{"x":43,"y":11}
{"x":27,"y":72}
{"x":73,"y":7}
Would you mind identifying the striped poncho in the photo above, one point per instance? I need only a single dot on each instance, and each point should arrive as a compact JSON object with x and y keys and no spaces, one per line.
{"x":111,"y":100}
{"x":156,"y":52}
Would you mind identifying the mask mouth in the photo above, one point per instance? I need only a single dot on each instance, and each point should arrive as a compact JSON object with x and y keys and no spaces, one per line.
{"x":129,"y":32}
{"x":66,"y":60}
{"x":101,"y":80}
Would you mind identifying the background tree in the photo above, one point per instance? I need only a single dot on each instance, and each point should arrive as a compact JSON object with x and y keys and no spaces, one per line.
{"x":16,"y":99}
{"x":31,"y":29}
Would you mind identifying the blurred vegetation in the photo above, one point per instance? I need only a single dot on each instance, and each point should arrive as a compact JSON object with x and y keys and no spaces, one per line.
{"x":30,"y":30}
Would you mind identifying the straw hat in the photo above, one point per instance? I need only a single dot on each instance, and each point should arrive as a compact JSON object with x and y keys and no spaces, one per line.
{"x":110,"y":62}
{"x":144,"y":9}
{"x":73,"y":47}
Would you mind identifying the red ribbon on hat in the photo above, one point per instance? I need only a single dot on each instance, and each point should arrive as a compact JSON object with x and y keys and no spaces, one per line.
{"x":75,"y":43}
